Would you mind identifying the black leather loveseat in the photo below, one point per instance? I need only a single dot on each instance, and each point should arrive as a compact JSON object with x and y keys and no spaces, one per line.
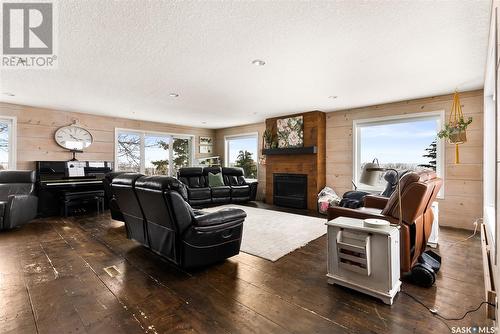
{"x":18,"y":203}
{"x":235,"y":189}
{"x":157,"y":215}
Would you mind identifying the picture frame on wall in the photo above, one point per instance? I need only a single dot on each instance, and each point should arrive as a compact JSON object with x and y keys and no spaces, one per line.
{"x":205,"y":149}
{"x":290,"y":132}
{"x":205,"y":140}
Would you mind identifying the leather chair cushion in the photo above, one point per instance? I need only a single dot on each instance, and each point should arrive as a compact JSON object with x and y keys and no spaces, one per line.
{"x":163,"y":183}
{"x":127,"y":179}
{"x":240,"y":191}
{"x":223,"y":191}
{"x":199,"y":193}
{"x":17,"y":176}
{"x":233,"y":176}
{"x":2,"y":208}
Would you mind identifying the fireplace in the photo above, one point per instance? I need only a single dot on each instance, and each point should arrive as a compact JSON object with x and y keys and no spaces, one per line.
{"x":290,"y":190}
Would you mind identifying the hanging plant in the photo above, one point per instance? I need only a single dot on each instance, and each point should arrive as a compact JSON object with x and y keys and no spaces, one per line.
{"x":456,"y":128}
{"x":456,"y":133}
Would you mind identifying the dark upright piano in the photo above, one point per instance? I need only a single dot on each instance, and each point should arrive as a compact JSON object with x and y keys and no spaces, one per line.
{"x":56,"y":178}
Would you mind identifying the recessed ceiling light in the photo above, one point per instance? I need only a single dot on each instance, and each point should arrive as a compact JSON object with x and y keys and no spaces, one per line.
{"x":9,"y":94}
{"x":203,"y":122}
{"x":333,"y":97}
{"x":173,"y":95}
{"x":258,"y":62}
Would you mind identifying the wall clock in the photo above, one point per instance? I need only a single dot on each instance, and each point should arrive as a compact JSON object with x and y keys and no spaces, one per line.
{"x":73,"y":138}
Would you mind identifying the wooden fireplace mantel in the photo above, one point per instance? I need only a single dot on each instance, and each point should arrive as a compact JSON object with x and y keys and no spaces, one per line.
{"x":309,"y":160}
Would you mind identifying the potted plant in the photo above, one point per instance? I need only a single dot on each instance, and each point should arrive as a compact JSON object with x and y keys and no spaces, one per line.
{"x":456,"y":131}
{"x":268,"y":138}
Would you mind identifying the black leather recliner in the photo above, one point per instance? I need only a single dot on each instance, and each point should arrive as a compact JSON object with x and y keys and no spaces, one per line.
{"x":123,"y":187}
{"x":221,"y":194}
{"x":240,"y":189}
{"x":199,"y":193}
{"x":18,"y":203}
{"x":171,"y":227}
{"x":116,"y":214}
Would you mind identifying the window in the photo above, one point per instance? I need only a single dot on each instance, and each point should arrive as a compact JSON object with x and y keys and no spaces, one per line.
{"x":152,"y":153}
{"x":7,"y":143}
{"x":241,"y":151}
{"x":402,"y":143}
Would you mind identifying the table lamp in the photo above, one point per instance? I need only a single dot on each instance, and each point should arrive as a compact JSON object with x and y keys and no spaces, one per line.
{"x":370,"y":175}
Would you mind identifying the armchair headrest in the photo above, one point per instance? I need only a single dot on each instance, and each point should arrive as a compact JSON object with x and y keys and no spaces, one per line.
{"x":426,"y":175}
{"x":162,"y":183}
{"x":127,"y":179}
{"x":17,"y":176}
{"x":191,"y":171}
{"x":234,"y":171}
{"x":213,"y":170}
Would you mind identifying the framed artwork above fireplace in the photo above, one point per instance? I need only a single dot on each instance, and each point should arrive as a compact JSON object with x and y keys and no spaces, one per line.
{"x":290,"y":132}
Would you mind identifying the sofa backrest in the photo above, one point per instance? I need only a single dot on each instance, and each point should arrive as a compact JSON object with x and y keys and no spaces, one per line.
{"x":233,"y":176}
{"x":123,"y":187}
{"x":16,"y":183}
{"x":192,"y":177}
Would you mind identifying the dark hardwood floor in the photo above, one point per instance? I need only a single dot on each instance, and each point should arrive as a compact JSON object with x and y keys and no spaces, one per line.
{"x":52,"y":280}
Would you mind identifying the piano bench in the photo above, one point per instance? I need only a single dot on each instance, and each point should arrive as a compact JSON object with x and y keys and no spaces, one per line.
{"x":80,"y":198}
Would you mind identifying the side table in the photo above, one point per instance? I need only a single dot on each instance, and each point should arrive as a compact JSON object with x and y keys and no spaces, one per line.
{"x":364,"y":258}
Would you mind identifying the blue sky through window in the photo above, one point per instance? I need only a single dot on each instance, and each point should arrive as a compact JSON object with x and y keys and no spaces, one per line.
{"x":241,"y":144}
{"x":398,"y":142}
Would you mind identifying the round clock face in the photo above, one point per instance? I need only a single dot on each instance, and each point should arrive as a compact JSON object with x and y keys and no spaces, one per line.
{"x":73,"y":138}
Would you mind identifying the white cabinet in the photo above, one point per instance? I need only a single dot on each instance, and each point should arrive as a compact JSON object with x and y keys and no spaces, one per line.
{"x":364,"y":258}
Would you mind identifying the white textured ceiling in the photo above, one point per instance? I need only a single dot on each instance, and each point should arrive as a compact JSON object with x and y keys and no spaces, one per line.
{"x":123,"y":58}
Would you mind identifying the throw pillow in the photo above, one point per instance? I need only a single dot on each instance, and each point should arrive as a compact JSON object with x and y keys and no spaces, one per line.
{"x":215,"y":180}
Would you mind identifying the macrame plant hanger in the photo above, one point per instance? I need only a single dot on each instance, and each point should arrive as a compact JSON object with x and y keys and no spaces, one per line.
{"x":459,"y":136}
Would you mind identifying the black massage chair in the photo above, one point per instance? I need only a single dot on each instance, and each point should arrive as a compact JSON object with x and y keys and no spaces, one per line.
{"x":157,"y":215}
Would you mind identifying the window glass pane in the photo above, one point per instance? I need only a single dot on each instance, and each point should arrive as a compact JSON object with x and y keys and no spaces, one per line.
{"x":181,"y":154}
{"x":129,"y":152}
{"x":156,"y":150}
{"x":242,"y":152}
{"x":4,"y":144}
{"x":405,"y":145}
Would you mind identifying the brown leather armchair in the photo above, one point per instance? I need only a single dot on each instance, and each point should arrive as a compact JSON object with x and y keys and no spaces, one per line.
{"x":418,"y":191}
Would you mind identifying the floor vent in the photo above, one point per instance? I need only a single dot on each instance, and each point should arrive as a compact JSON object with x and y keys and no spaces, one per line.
{"x":112,"y":271}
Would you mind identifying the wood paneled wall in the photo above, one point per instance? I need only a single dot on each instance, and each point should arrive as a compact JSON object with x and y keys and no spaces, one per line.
{"x":259,"y":128}
{"x":463,"y":183}
{"x":36,"y":128}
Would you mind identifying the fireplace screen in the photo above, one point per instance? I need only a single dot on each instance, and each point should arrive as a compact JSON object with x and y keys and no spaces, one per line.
{"x":290,"y":190}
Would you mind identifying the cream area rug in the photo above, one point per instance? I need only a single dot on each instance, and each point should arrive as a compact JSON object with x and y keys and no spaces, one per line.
{"x":272,"y":234}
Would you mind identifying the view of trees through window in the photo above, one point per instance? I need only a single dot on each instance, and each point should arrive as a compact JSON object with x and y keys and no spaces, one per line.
{"x":403,"y":144}
{"x":4,"y":144}
{"x":242,"y":152}
{"x":157,"y":158}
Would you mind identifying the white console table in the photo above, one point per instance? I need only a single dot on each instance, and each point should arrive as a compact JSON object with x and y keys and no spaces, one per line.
{"x":364,"y":258}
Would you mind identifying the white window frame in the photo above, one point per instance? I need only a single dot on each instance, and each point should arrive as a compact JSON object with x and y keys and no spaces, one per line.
{"x":440,"y":149}
{"x":143,"y":134}
{"x":12,"y":141}
{"x":241,"y":136}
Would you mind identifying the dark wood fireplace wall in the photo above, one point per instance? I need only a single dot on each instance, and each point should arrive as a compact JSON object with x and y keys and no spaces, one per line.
{"x":308,"y":160}
{"x":290,"y":190}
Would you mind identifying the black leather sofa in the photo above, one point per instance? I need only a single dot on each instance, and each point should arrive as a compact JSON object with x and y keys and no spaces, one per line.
{"x":157,"y":215}
{"x":235,"y":189}
{"x":18,"y":203}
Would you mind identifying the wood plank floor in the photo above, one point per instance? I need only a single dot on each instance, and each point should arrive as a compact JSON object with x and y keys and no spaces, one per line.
{"x":52,"y":280}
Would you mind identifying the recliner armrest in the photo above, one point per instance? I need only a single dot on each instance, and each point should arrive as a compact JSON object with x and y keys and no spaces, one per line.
{"x":20,"y":210}
{"x":361,"y":213}
{"x":374,"y":201}
{"x":220,"y":217}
